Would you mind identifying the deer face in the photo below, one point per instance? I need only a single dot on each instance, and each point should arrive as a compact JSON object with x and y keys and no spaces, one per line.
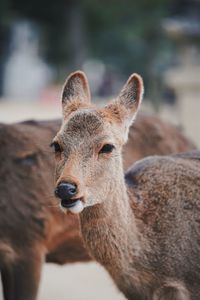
{"x":88,"y":145}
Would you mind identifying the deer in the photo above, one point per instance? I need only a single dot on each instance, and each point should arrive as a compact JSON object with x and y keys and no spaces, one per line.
{"x":32,"y":228}
{"x":26,"y":198}
{"x":143,"y":226}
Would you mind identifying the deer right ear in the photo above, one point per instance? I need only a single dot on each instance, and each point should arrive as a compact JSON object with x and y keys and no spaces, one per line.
{"x":76,"y":92}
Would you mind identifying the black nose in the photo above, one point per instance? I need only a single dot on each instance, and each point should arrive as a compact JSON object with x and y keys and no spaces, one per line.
{"x":65,"y":190}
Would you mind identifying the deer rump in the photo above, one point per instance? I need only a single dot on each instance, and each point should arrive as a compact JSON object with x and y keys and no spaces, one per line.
{"x":31,"y":225}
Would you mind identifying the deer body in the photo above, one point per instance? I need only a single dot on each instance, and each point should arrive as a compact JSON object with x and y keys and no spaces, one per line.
{"x":139,"y":243}
{"x":143,"y":229}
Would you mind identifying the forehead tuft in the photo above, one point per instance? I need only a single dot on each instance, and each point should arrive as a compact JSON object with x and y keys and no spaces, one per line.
{"x":86,"y":122}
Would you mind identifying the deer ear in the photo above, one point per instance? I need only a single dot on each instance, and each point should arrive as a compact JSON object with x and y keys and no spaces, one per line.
{"x":124,"y":109}
{"x":126,"y":106}
{"x":131,"y":95}
{"x":76,"y":91}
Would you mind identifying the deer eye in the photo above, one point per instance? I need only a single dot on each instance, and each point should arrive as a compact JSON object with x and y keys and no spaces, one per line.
{"x":56,"y":147}
{"x":107,"y":148}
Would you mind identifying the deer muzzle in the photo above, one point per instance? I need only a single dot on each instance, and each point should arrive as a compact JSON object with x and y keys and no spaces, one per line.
{"x":66,"y":192}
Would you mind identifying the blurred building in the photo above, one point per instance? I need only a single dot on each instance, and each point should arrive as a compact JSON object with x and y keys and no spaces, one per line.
{"x":26,"y":75}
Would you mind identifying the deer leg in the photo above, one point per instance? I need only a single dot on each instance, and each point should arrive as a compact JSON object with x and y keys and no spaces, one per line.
{"x":21,"y":279}
{"x":7,"y":282}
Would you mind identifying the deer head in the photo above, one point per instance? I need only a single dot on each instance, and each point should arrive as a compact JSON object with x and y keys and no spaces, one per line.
{"x":88,"y":145}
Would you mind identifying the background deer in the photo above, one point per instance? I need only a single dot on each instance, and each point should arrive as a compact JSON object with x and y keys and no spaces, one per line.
{"x":143,"y":229}
{"x":32,"y":229}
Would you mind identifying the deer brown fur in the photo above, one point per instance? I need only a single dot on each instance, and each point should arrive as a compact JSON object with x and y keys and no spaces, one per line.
{"x":144,"y":228}
{"x":32,"y":228}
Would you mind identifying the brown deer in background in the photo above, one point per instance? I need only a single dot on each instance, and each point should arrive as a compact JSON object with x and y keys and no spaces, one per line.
{"x":32,"y":229}
{"x":144,"y":228}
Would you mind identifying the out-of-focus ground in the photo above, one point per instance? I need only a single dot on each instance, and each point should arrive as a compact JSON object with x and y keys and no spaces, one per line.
{"x":80,"y":281}
{"x":77,"y":281}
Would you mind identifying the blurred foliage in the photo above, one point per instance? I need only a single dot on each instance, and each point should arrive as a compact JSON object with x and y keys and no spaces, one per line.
{"x":125,"y":34}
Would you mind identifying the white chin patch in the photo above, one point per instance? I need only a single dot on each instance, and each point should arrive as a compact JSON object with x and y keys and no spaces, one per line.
{"x":76,"y":209}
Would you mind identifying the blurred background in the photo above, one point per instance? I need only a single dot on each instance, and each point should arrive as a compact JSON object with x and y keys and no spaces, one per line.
{"x":42,"y":41}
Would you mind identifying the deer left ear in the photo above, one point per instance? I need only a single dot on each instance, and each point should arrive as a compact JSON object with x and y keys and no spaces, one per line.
{"x":75,"y":92}
{"x":131,"y":95}
{"x":124,"y":109}
{"x":126,"y":106}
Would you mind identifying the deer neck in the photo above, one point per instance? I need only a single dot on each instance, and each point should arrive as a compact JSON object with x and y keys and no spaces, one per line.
{"x":107,"y":229}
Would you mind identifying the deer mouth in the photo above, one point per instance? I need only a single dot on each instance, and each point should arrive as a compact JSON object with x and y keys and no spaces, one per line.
{"x":73,"y":205}
{"x":68,"y":203}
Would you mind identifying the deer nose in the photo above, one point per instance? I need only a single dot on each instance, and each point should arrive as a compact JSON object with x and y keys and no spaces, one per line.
{"x":65,"y":190}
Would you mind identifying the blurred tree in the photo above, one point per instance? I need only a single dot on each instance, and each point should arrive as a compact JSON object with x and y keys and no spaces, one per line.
{"x":126,"y":35}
